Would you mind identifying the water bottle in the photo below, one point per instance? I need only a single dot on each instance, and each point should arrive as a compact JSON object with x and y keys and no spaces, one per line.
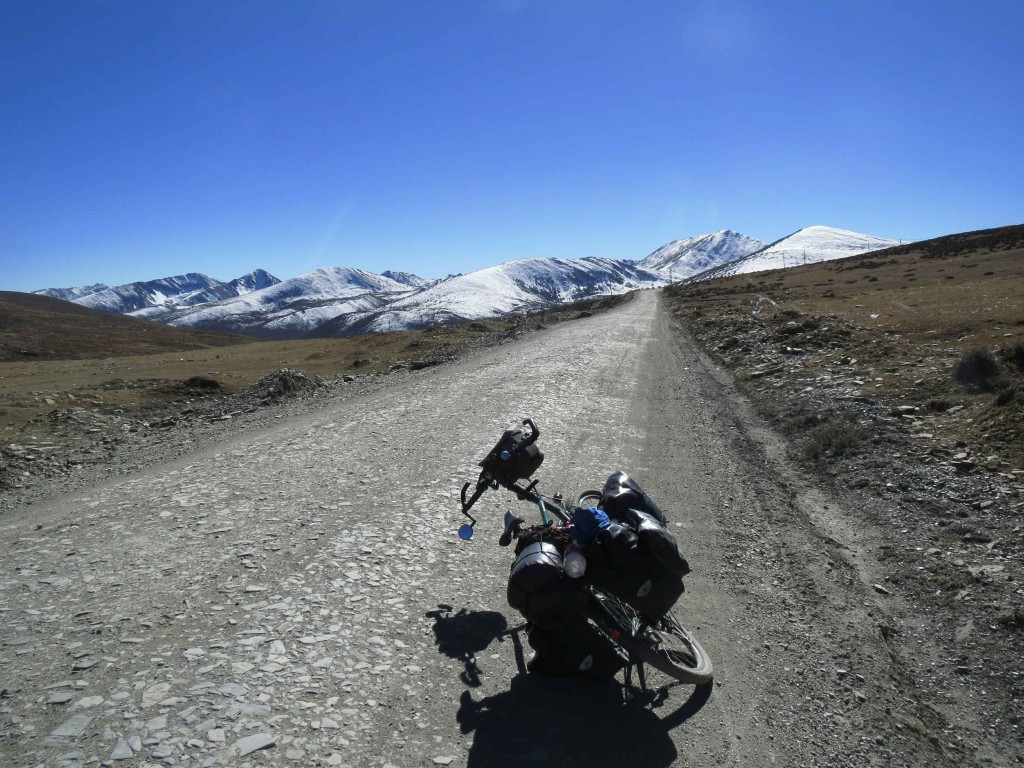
{"x":574,"y":563}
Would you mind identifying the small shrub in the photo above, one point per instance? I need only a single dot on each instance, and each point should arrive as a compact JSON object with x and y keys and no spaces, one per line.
{"x":1006,"y":396}
{"x":1014,"y":355}
{"x":833,"y":439}
{"x":978,"y":368}
{"x":806,"y":421}
{"x":203,"y":383}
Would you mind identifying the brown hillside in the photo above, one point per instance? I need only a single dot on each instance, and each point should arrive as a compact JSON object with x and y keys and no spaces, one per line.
{"x":890,"y":328}
{"x":34,"y":389}
{"x":36,"y":327}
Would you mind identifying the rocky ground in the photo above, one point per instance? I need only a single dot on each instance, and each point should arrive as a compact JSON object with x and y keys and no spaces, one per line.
{"x":285,"y":586}
{"x":936,"y":463}
{"x":85,"y":441}
{"x":77,"y":440}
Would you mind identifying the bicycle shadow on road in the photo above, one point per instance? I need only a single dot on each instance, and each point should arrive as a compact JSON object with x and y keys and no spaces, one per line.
{"x":466,"y":633}
{"x":544,"y":721}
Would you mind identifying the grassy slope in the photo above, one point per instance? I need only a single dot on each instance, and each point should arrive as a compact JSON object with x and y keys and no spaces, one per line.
{"x":891,"y":325}
{"x":106,"y":360}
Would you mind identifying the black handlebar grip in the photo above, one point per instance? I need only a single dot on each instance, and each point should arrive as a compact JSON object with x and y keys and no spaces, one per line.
{"x":534,"y":434}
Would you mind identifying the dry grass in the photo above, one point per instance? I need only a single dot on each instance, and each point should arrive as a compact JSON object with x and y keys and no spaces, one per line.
{"x":31,"y":388}
{"x":41,"y":328}
{"x":961,"y":296}
{"x":898,"y":322}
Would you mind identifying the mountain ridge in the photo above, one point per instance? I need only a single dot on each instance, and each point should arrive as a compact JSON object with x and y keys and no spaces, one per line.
{"x":179,"y":290}
{"x":339,"y":301}
{"x":805,"y":246}
{"x":682,"y":258}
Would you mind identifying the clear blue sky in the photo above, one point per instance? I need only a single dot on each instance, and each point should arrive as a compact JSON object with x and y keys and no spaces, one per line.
{"x":146,"y":138}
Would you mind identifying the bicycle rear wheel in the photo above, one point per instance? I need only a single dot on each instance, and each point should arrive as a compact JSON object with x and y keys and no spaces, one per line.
{"x":670,"y":648}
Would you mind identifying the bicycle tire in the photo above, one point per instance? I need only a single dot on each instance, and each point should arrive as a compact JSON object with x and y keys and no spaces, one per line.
{"x":590,"y":499}
{"x":670,"y":648}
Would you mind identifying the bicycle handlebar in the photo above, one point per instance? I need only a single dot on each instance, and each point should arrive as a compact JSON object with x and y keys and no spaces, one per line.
{"x":489,"y":480}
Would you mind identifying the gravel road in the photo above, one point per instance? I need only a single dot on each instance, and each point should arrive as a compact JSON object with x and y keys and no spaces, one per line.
{"x":298,"y":595}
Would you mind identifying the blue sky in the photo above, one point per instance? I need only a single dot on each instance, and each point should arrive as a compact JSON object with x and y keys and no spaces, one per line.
{"x":146,"y":138}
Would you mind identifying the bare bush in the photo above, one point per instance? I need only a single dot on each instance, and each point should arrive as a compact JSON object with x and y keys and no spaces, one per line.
{"x":1014,"y":355}
{"x":835,"y":437}
{"x":978,"y":368}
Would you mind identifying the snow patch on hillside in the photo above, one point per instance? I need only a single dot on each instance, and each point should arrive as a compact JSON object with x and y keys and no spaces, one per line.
{"x":682,"y":258}
{"x":805,"y":246}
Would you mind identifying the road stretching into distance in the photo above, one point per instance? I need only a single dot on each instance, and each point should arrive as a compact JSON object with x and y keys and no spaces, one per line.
{"x":298,"y":595}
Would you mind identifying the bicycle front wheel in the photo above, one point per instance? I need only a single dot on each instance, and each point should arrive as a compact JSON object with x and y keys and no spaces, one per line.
{"x":670,"y":648}
{"x":590,"y":499}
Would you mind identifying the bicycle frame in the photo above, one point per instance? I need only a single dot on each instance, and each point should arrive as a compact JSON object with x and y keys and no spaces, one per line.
{"x":550,"y":506}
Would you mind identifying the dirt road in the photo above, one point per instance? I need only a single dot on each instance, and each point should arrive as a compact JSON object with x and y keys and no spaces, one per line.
{"x":299,"y":596}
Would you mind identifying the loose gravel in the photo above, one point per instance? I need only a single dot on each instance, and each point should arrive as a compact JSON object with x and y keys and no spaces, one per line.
{"x":294,"y":593}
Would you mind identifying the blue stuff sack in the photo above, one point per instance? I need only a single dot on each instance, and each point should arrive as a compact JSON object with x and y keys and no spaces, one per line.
{"x":587,"y":522}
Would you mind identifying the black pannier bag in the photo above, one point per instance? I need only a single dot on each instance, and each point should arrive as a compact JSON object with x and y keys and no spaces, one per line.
{"x":636,"y":558}
{"x":618,"y":564}
{"x":622,"y":493}
{"x":566,"y":644}
{"x":656,"y":540}
{"x":627,"y":503}
{"x":510,"y":459}
{"x":572,"y":649}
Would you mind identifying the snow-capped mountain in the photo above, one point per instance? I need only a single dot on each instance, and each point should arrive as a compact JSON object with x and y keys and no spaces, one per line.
{"x":290,"y":308}
{"x":805,"y":246}
{"x":343,"y":302}
{"x":72,"y":294}
{"x":168,"y":292}
{"x":515,"y":286}
{"x":682,"y":258}
{"x":256,"y":280}
{"x":407,"y":278}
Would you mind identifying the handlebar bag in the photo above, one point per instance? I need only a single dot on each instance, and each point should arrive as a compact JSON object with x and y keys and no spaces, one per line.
{"x":619,"y":565}
{"x":539,"y":589}
{"x":510,"y":459}
{"x":622,"y":493}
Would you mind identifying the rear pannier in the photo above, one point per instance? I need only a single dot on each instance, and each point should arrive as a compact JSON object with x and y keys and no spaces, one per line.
{"x":622,"y":493}
{"x":635,"y":557}
{"x":566,"y":644}
{"x":656,"y":540}
{"x":573,"y":649}
{"x":619,"y":565}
